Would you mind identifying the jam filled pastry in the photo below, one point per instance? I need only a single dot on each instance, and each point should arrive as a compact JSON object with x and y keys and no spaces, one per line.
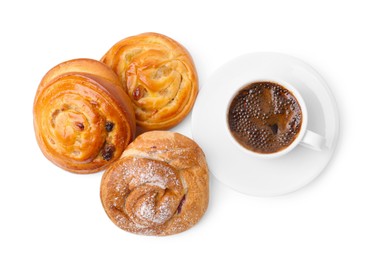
{"x":83,"y":119}
{"x":159,"y":76}
{"x":158,"y":187}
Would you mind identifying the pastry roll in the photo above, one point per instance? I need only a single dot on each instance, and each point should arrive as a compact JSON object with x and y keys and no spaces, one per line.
{"x":159,"y":76}
{"x":158,"y":187}
{"x":83,"y":119}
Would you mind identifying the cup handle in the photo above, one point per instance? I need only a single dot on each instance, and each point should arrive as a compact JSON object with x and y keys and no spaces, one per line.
{"x":313,"y":141}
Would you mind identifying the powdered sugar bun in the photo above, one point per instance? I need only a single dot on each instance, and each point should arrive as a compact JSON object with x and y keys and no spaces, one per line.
{"x":158,"y":187}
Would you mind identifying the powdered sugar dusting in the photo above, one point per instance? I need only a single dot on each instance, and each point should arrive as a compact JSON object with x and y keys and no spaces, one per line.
{"x":165,"y":213}
{"x":150,"y":172}
{"x":149,"y":175}
{"x":147,"y":194}
{"x":146,"y":210}
{"x":150,"y":212}
{"x":120,"y":220}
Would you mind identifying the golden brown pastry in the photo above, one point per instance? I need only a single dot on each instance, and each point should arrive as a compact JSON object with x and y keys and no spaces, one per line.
{"x":83,"y":119}
{"x":159,"y":76}
{"x":159,"y":186}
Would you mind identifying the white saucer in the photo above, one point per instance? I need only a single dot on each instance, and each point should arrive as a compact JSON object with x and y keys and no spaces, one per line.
{"x":257,"y":176}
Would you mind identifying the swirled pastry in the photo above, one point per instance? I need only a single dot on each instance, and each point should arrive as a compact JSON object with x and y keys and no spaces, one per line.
{"x":83,"y":119}
{"x":158,"y":187}
{"x":159,"y":76}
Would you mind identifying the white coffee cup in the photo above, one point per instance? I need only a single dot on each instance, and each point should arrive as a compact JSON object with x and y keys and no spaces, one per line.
{"x":305,"y":137}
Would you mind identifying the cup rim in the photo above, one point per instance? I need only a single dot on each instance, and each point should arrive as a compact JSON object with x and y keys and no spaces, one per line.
{"x":301,"y":133}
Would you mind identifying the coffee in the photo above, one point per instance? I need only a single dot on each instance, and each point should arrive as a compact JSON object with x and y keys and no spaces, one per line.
{"x":264,"y":117}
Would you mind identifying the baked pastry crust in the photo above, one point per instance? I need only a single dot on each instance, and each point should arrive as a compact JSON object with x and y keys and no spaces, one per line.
{"x":83,"y":119}
{"x":159,"y":76}
{"x":158,"y":187}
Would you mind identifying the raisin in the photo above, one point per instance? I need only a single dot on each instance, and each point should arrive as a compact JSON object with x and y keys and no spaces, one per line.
{"x":108,"y":151}
{"x":109,"y":126}
{"x":80,"y":126}
{"x":179,"y":208}
{"x":138,"y":93}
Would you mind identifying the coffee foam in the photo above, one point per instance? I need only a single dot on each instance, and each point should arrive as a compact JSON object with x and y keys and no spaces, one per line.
{"x":264,"y":117}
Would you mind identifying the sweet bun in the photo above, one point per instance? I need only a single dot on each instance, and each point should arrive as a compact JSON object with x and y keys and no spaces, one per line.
{"x":83,"y":119}
{"x":158,"y":187}
{"x":159,"y":76}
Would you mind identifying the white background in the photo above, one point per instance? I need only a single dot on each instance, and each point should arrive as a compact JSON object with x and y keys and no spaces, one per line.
{"x":47,"y":213}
